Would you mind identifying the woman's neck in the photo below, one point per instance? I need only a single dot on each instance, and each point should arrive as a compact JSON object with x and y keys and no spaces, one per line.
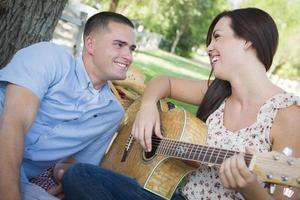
{"x":253,"y":88}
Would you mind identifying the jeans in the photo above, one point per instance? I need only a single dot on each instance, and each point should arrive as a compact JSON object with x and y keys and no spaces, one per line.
{"x":89,"y":182}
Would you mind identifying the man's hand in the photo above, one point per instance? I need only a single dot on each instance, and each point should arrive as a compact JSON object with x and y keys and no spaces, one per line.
{"x":58,"y":173}
{"x":57,"y":190}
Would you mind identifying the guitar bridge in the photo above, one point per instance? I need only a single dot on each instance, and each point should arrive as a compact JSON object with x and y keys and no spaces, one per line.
{"x":127,"y":148}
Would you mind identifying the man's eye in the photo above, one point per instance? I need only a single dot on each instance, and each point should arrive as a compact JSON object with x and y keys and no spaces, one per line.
{"x":119,"y":45}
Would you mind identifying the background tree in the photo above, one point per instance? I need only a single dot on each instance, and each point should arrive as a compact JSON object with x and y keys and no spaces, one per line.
{"x":286,"y":15}
{"x":113,"y":5}
{"x":24,"y":22}
{"x":183,"y":23}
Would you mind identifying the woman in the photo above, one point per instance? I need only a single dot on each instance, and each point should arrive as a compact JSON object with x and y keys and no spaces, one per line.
{"x":242,"y":108}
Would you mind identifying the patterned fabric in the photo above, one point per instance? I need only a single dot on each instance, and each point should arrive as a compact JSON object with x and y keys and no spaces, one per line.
{"x":45,"y":180}
{"x":204,"y":183}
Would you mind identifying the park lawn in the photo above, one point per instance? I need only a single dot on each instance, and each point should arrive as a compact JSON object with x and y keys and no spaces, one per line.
{"x":157,"y":62}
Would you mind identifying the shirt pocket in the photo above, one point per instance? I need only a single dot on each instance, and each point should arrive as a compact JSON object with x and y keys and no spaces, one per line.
{"x":35,"y":134}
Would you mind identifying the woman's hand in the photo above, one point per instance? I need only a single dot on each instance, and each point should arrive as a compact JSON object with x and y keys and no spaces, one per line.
{"x":235,"y":174}
{"x":147,"y":120}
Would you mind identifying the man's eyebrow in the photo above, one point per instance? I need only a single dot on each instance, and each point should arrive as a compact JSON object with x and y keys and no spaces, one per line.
{"x":125,"y":43}
{"x":120,"y":41}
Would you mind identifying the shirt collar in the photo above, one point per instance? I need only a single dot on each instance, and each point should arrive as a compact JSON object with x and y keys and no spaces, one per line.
{"x":85,"y":82}
{"x":81,"y":73}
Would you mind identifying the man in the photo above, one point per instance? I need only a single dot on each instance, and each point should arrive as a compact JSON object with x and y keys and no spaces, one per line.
{"x":55,"y":107}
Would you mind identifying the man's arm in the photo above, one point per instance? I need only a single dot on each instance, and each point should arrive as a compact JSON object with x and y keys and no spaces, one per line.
{"x":19,"y":111}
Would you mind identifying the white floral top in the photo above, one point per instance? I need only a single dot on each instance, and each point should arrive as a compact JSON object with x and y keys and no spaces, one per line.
{"x":204,"y":183}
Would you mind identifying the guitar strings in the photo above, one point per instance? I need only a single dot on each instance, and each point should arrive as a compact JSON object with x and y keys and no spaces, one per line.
{"x":207,"y":150}
{"x":193,"y":148}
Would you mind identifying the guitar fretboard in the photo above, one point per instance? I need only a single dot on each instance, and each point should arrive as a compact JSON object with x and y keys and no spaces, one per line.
{"x":201,"y":153}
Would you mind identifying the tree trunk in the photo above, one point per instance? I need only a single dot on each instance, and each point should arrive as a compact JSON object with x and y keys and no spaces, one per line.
{"x":179,"y":33}
{"x":24,"y":22}
{"x":113,"y":5}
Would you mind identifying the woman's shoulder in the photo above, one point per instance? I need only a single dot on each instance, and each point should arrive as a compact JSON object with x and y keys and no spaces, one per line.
{"x":286,"y":125}
{"x":284,"y":100}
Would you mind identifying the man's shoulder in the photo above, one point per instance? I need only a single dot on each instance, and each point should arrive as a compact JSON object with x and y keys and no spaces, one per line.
{"x":47,"y":47}
{"x":45,"y":54}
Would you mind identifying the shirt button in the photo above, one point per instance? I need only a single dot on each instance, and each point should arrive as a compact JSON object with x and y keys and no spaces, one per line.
{"x":88,"y":98}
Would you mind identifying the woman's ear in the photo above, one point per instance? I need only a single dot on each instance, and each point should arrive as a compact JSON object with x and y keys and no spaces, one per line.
{"x":89,"y":43}
{"x":247,"y":45}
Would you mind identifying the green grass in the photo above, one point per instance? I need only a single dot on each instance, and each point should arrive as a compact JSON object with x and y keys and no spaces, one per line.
{"x":158,"y":62}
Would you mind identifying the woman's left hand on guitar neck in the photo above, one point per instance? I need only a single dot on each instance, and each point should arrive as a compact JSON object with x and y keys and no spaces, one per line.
{"x":234,"y":174}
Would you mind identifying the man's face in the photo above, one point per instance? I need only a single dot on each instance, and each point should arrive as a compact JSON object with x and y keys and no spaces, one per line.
{"x":111,"y":51}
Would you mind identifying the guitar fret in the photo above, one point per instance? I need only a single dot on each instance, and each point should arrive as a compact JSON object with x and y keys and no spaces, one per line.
{"x":195,"y":152}
{"x":216,"y":156}
{"x":199,"y":155}
{"x":225,"y":156}
{"x":211,"y":155}
{"x":185,"y":150}
{"x":191,"y":149}
{"x":218,"y":159}
{"x":205,"y":160}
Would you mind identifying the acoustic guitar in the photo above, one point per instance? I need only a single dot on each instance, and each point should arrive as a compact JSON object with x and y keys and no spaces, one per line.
{"x":161,"y":170}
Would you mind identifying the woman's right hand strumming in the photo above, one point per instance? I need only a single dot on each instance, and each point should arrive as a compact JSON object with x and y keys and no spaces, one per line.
{"x":146,"y":122}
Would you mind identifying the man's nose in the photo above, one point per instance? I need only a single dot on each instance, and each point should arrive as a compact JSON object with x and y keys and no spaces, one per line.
{"x":127,"y":54}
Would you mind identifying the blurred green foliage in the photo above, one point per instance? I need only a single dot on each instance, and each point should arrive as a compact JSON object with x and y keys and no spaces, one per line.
{"x":286,"y":14}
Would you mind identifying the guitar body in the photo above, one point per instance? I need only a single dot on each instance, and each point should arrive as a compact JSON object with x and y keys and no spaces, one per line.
{"x":157,"y":173}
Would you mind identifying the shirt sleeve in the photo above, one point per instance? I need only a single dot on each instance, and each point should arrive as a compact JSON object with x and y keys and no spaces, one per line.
{"x":32,"y":68}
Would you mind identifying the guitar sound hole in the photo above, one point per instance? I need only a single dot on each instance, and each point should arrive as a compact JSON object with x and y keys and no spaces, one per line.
{"x":150,"y":155}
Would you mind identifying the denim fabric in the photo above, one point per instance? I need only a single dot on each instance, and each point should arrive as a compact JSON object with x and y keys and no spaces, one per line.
{"x":89,"y":182}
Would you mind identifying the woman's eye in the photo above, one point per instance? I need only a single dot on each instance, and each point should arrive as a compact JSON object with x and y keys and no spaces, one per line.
{"x":216,"y":36}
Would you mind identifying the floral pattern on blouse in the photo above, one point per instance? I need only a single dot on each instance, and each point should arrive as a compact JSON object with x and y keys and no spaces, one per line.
{"x":204,"y":183}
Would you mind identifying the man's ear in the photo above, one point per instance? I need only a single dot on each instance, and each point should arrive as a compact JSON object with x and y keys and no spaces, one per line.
{"x":89,"y":44}
{"x":247,"y":45}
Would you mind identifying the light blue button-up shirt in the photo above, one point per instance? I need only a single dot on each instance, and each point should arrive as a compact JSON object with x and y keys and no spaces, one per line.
{"x":73,"y":118}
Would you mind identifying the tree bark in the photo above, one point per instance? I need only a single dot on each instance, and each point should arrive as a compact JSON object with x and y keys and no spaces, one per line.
{"x":24,"y":22}
{"x":113,"y":5}
{"x":179,"y":33}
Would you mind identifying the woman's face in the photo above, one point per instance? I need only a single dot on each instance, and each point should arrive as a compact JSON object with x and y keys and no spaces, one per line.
{"x":225,"y":50}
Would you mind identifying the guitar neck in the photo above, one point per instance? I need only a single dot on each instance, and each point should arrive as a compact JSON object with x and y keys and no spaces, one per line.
{"x":195,"y":152}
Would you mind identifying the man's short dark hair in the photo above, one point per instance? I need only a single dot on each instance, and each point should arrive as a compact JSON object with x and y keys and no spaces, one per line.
{"x":102,"y":19}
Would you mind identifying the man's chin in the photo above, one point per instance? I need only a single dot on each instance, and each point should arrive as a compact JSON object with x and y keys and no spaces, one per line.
{"x":119,"y":78}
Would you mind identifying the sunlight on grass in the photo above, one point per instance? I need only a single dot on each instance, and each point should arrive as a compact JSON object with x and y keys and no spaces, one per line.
{"x":167,"y":66}
{"x":158,"y":62}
